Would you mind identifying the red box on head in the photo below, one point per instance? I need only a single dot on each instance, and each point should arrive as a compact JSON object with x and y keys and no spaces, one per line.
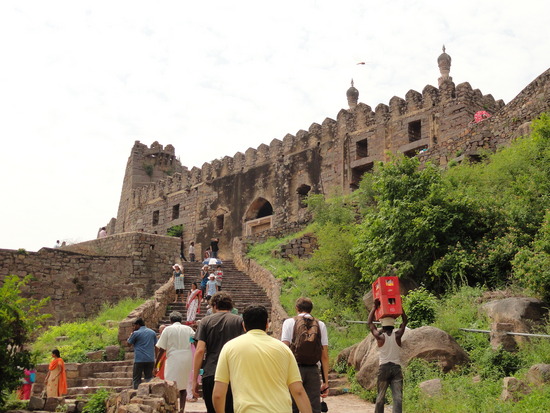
{"x":386,"y":289}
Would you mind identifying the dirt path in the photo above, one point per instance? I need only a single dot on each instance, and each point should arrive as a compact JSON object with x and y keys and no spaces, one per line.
{"x":344,"y":403}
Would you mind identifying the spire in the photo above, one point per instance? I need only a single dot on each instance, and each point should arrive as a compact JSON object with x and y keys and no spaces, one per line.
{"x":444,"y":63}
{"x":353,"y":96}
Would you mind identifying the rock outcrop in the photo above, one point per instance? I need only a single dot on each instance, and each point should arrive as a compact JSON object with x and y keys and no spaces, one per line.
{"x":427,"y":343}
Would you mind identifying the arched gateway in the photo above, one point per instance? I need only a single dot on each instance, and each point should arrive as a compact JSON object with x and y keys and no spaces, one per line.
{"x":258,"y":217}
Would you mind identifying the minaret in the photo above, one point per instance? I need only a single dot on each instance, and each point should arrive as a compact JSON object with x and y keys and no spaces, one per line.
{"x":353,"y":96}
{"x":444,"y":63}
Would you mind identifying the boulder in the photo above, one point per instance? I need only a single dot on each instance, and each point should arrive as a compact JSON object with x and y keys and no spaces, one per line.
{"x":520,"y":313}
{"x":95,"y":355}
{"x":52,"y":403}
{"x":513,"y":389}
{"x":431,"y":388}
{"x":539,"y":374}
{"x":36,"y":403}
{"x":427,"y":343}
{"x":112,"y":353}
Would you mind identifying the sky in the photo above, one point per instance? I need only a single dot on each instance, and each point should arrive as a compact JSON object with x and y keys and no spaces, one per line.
{"x":81,"y":81}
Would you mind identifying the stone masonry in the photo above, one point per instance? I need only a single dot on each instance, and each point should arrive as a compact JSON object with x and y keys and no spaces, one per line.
{"x":80,"y":278}
{"x":261,"y":192}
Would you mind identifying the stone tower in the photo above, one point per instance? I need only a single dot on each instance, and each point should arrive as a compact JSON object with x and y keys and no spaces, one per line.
{"x":145,"y":166}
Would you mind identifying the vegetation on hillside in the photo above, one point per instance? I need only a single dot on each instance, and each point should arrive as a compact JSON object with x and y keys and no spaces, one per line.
{"x":458,"y":233}
{"x":75,"y":339}
{"x":19,"y":318}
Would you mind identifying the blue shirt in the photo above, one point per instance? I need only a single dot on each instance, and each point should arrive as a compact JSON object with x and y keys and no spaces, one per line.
{"x":144,"y":341}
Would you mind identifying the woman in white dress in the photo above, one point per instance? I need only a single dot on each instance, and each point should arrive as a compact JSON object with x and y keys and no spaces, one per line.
{"x":178,"y":282}
{"x":175,"y":341}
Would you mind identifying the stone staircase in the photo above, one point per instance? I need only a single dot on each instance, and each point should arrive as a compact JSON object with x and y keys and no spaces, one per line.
{"x":243,"y":290}
{"x":86,"y":378}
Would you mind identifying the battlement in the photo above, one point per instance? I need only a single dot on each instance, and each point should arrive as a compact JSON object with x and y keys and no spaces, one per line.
{"x":263,"y":188}
{"x":432,"y":99}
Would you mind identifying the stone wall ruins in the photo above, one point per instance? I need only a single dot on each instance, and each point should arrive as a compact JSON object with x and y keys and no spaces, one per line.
{"x":80,"y":278}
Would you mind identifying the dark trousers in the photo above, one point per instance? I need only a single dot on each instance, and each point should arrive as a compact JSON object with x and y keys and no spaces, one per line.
{"x":192,"y":257}
{"x":390,"y":374}
{"x":142,"y":368}
{"x":312,"y":384}
{"x":208,"y":388}
{"x":214,"y":254}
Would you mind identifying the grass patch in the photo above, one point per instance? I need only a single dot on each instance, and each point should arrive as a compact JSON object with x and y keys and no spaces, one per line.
{"x":298,"y":282}
{"x":76,"y":339}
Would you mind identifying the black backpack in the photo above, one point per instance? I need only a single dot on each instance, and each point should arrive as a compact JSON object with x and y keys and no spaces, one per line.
{"x":306,"y":340}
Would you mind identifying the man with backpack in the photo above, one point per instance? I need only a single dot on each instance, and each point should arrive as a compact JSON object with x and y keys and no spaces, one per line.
{"x":307,"y":338}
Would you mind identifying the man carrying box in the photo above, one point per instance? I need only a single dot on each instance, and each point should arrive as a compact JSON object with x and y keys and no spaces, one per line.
{"x":389,"y":353}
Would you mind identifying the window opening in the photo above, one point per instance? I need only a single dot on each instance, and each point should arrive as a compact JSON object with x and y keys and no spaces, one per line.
{"x":415,"y":131}
{"x":176,"y":211}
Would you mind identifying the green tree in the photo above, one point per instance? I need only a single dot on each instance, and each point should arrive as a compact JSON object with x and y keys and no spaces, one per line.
{"x":411,"y":218}
{"x":19,"y":318}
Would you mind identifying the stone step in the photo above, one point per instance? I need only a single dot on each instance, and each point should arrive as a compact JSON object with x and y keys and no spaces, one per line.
{"x":74,"y":392}
{"x":122,"y":369}
{"x":113,"y":374}
{"x":107,"y":382}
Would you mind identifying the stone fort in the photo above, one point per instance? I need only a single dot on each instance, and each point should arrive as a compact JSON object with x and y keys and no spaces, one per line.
{"x":261,"y":192}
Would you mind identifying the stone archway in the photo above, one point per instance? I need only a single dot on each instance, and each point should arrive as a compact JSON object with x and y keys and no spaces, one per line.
{"x":258,"y":216}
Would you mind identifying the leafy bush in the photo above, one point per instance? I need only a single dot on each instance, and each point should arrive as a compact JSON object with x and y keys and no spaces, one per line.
{"x":532,"y":264}
{"x":420,"y":306}
{"x":97,"y":403}
{"x":19,"y":318}
{"x":498,"y":363}
{"x":175,"y":231}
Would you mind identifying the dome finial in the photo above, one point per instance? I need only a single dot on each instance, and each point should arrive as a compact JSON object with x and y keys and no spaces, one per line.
{"x":353,"y":96}
{"x":444,"y":63}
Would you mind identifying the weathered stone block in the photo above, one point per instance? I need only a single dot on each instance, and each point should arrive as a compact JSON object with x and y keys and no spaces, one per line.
{"x":95,"y":355}
{"x":431,"y":387}
{"x":112,"y":353}
{"x":513,"y":389}
{"x":539,"y":374}
{"x":36,"y":403}
{"x":52,"y":403}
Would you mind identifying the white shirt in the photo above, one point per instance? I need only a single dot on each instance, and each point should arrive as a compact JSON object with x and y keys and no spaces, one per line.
{"x":288,"y":329}
{"x":175,"y":337}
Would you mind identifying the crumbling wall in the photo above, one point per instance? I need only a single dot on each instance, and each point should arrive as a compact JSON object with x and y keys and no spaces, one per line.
{"x":508,"y":123}
{"x":105,"y":270}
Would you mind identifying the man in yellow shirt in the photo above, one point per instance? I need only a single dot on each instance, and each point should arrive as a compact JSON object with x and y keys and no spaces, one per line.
{"x":261,"y":370}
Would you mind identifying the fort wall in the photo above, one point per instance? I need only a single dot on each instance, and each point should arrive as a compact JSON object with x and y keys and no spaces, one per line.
{"x":510,"y":122}
{"x":104,"y":270}
{"x":263,"y":188}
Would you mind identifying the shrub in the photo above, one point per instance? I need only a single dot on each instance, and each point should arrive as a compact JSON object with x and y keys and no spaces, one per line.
{"x":495,"y":364}
{"x":175,"y":231}
{"x":19,"y":318}
{"x":532,"y":264}
{"x":420,"y":306}
{"x":97,"y":403}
